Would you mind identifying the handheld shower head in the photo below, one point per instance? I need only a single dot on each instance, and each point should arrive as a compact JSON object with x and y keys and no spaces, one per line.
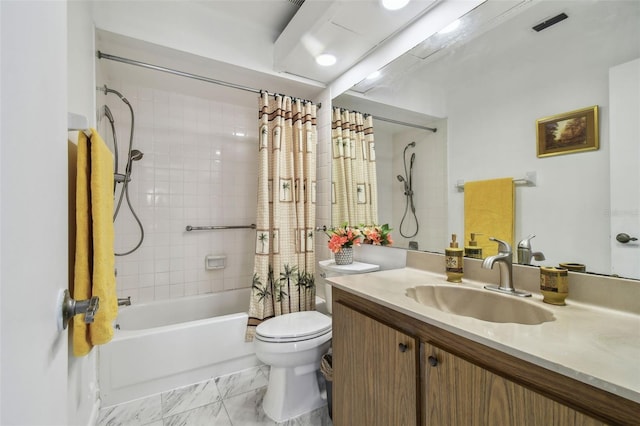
{"x":400,"y":178}
{"x":412,"y":144}
{"x":108,"y":114}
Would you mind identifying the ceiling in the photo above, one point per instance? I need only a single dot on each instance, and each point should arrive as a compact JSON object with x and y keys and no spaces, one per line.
{"x":298,"y":30}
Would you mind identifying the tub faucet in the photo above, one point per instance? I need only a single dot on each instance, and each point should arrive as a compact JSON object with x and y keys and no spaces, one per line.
{"x":125,"y":301}
{"x":525,"y":253}
{"x":504,"y":259}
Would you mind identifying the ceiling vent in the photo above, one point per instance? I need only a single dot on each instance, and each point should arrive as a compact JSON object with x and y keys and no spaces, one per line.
{"x":549,"y":22}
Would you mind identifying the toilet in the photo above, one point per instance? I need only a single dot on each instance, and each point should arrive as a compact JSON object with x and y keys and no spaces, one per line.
{"x":330,"y":269}
{"x":292,"y":345}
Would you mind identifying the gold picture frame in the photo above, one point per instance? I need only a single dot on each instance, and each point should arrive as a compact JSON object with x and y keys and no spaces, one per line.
{"x":567,"y":133}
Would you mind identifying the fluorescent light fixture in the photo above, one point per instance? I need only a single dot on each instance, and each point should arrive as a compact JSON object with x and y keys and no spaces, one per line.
{"x":451,"y":27}
{"x":394,"y":4}
{"x":326,"y":60}
{"x":373,"y":75}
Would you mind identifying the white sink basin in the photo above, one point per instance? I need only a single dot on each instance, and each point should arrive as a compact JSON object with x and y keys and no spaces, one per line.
{"x":480,"y":304}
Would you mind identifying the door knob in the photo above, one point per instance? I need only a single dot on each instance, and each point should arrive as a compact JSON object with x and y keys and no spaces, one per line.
{"x":433,"y":361}
{"x":403,"y":347}
{"x":625,"y":238}
{"x":68,"y":308}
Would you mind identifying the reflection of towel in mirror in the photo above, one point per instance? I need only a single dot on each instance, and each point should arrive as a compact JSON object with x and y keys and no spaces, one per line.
{"x":489,"y":207}
{"x":95,"y":260}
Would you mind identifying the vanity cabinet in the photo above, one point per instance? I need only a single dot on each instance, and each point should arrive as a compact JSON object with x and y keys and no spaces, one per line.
{"x":391,"y":369}
{"x":458,"y":392}
{"x":375,"y":372}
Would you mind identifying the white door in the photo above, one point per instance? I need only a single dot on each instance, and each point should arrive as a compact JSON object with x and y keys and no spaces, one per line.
{"x":624,"y":110}
{"x":33,"y":230}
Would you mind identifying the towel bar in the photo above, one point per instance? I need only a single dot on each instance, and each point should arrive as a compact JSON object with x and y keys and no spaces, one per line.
{"x":530,"y":179}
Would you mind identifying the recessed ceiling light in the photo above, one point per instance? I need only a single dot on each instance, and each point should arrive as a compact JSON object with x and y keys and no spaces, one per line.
{"x":373,"y":75}
{"x":394,"y":4}
{"x":326,"y":60}
{"x":451,"y":27}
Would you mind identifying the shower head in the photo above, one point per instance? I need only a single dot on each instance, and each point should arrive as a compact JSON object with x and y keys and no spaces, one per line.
{"x":400,"y":178}
{"x":411,"y":144}
{"x":108,"y":113}
{"x":136,"y":155}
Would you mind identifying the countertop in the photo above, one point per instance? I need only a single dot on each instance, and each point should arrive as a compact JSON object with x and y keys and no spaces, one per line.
{"x":597,"y":346}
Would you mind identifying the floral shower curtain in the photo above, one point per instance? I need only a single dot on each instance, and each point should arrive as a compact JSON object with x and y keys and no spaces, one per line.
{"x":354,"y":185}
{"x":283,"y":278}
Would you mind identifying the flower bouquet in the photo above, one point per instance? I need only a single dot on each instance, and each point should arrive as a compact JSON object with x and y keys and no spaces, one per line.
{"x":343,"y":237}
{"x":378,"y":235}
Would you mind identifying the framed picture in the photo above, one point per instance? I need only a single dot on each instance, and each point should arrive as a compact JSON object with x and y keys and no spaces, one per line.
{"x":573,"y":131}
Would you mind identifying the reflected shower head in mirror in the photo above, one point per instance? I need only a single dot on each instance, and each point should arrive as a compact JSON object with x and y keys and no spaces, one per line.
{"x":136,"y":155}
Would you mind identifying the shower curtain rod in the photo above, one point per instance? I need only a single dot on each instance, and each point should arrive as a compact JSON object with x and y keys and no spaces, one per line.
{"x":389,"y":120}
{"x":102,"y":55}
{"x":402,"y":123}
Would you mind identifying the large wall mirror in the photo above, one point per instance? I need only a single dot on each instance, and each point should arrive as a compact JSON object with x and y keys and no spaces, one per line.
{"x":483,"y":86}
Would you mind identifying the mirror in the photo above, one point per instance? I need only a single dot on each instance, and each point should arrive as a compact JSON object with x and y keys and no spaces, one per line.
{"x":483,"y":88}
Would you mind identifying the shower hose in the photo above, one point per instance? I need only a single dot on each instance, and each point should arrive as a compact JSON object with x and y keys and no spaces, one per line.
{"x":407,"y":180}
{"x":132,"y":155}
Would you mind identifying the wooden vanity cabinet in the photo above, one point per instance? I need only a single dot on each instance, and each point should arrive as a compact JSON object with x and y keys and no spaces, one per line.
{"x":457,"y":392}
{"x":390,"y":370}
{"x":375,"y":372}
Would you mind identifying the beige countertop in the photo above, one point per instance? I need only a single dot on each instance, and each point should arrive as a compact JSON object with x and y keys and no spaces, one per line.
{"x":597,"y":346}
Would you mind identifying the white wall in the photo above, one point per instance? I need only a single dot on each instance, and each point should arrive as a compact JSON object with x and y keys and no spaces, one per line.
{"x":430,"y":194}
{"x":194,"y":172}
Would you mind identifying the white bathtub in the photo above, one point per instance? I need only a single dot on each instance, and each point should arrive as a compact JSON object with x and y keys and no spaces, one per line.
{"x":167,"y":344}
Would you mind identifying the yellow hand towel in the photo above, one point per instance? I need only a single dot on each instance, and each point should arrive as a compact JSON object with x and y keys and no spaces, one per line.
{"x":95,"y":260}
{"x":489,"y":207}
{"x":104,"y":280}
{"x":82,"y":269}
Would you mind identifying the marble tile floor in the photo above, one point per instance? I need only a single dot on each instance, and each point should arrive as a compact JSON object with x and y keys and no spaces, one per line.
{"x":231,"y":400}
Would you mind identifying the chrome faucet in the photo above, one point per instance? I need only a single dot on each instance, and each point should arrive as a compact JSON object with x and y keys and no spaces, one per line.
{"x":525,"y":253}
{"x":504,"y":259}
{"x":125,"y":301}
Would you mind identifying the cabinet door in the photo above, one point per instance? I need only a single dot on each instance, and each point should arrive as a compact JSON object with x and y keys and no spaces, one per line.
{"x":374,"y":372}
{"x":458,"y":392}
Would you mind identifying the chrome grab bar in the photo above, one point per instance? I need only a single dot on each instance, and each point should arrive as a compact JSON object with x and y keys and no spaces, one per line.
{"x":190,"y":228}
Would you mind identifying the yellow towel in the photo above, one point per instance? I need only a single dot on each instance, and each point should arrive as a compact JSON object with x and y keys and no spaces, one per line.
{"x":489,"y":207}
{"x":95,"y":259}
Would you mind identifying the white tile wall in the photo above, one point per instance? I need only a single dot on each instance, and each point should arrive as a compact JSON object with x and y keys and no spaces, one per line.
{"x":195,"y":171}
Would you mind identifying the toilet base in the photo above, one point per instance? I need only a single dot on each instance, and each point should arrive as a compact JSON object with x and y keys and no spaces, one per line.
{"x":292,"y":392}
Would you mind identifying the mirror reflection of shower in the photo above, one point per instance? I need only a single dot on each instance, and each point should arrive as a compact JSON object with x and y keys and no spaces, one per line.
{"x":123,"y":178}
{"x":407,"y":181}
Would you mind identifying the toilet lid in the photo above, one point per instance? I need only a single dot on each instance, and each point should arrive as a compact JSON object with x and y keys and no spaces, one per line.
{"x":295,"y":326}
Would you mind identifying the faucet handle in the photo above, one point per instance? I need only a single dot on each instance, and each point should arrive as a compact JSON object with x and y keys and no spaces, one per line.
{"x":503,"y":246}
{"x":526,"y":243}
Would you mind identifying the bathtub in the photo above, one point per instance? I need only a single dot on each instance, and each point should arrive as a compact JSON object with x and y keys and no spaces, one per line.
{"x":162,"y":345}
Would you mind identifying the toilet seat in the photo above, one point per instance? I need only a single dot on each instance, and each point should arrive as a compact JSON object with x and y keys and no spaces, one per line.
{"x":294,"y":327}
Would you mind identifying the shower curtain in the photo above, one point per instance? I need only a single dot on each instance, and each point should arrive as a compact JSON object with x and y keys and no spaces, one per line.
{"x":354,"y":185}
{"x":283,"y":277}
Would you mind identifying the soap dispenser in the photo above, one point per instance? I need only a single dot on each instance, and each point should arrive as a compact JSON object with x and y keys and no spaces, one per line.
{"x":472,"y":250}
{"x":453,"y":260}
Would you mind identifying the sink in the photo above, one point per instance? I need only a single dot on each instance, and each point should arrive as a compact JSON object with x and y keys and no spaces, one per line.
{"x":480,"y":304}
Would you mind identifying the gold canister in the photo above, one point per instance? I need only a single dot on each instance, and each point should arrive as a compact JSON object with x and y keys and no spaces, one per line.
{"x":575,"y":267}
{"x":554,"y":285}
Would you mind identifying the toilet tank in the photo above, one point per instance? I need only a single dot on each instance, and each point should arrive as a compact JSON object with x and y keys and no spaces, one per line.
{"x":329,"y":269}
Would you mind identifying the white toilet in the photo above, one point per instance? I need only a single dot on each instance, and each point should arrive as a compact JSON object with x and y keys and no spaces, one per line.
{"x":330,"y":269}
{"x":293,"y":344}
